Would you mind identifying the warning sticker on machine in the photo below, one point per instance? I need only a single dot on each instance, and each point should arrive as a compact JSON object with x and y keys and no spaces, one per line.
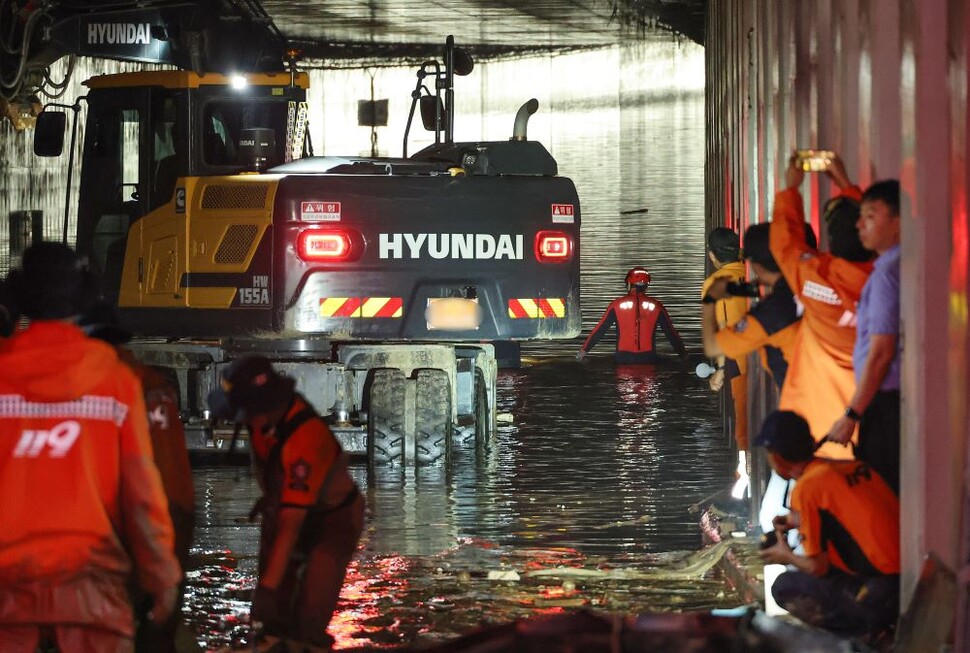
{"x":562,"y":213}
{"x":321,"y":211}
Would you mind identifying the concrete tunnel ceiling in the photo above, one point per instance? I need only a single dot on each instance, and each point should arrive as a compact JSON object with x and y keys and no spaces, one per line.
{"x":232,"y":35}
{"x":394,"y":29}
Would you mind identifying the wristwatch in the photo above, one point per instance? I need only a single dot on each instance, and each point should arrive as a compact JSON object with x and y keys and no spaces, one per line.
{"x":851,"y":414}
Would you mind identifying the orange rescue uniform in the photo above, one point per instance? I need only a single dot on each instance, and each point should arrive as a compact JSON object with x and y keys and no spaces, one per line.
{"x":820,"y":381}
{"x":83,"y":504}
{"x":729,"y":311}
{"x":847,"y":512}
{"x":300,"y":465}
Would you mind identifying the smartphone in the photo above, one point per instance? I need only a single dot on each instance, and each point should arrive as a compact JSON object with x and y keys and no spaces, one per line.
{"x":815,"y":160}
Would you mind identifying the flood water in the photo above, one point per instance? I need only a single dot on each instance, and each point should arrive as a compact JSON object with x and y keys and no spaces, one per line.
{"x":600,"y":462}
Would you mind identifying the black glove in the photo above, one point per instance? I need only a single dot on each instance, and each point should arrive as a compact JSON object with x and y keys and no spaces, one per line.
{"x":265,"y":606}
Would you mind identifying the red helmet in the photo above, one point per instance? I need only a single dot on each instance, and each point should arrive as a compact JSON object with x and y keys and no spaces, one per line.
{"x":638,"y":277}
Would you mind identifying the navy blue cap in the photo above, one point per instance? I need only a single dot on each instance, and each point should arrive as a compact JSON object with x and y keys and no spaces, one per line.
{"x":249,"y":386}
{"x":725,"y":243}
{"x":787,"y":434}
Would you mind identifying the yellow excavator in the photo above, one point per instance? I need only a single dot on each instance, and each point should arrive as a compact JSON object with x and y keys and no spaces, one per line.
{"x":380,"y":283}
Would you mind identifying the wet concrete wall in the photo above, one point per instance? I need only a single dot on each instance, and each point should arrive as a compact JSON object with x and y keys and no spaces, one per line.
{"x":31,"y":183}
{"x":883,"y":82}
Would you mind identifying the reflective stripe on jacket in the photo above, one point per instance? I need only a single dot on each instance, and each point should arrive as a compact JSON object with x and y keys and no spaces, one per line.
{"x":79,"y":488}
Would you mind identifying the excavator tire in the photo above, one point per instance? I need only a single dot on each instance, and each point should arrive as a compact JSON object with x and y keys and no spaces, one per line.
{"x":433,"y":425}
{"x":385,"y":422}
{"x":483,"y":420}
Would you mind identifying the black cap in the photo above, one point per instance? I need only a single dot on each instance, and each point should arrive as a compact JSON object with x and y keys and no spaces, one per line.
{"x":757,"y":244}
{"x":249,"y":386}
{"x":787,"y":434}
{"x":725,"y":243}
{"x":51,"y":283}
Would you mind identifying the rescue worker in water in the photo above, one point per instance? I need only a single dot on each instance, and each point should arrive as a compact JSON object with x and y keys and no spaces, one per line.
{"x":312,"y":512}
{"x":636,"y":316}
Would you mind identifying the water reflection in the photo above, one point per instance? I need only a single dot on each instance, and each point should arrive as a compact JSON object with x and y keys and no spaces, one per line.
{"x":596,"y":473}
{"x":600,"y":463}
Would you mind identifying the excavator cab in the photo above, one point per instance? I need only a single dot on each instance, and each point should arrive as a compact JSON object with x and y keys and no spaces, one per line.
{"x":147,"y":137}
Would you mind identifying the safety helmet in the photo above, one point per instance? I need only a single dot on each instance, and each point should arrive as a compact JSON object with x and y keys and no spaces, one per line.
{"x":637,"y":277}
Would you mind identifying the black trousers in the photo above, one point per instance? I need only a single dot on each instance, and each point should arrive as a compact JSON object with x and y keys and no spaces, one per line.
{"x":848,"y":606}
{"x":879,"y":437}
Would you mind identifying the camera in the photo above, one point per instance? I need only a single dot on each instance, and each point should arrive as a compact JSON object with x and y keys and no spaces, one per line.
{"x":768,"y":540}
{"x":814,"y":160}
{"x":742,"y":289}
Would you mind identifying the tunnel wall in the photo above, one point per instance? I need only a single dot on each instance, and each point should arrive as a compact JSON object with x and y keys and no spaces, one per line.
{"x":883,"y":82}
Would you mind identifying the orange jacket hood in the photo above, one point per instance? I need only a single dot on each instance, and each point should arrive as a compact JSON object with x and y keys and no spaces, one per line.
{"x":53,"y":361}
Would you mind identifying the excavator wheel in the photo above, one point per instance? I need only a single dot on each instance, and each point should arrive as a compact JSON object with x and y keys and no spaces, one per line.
{"x":385,"y":422}
{"x":433,"y":425}
{"x":483,"y":420}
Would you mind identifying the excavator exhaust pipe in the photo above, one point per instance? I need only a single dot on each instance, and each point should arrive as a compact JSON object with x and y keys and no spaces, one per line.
{"x":522,"y":120}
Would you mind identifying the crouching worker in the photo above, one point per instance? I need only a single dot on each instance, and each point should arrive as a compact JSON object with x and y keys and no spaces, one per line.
{"x":312,"y":512}
{"x":848,"y":580}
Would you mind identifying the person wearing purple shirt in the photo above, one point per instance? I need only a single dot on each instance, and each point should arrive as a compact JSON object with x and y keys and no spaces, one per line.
{"x":875,"y":404}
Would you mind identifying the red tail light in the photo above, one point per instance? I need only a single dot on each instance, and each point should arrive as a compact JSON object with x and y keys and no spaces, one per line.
{"x":315,"y":245}
{"x":553,"y":247}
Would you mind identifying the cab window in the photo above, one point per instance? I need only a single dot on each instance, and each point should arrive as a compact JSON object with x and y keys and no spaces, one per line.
{"x":222,"y":123}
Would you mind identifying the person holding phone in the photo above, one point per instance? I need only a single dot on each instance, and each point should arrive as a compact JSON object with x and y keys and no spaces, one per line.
{"x":771,"y":325}
{"x":820,"y":380}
